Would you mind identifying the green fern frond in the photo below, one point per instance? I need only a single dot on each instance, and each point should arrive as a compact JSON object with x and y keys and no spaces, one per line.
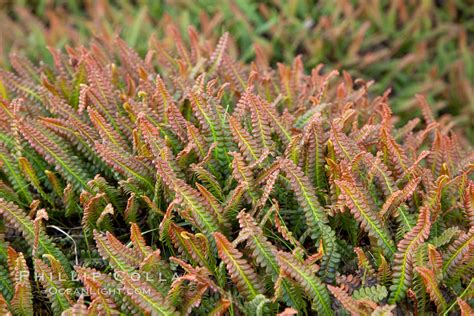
{"x":376,"y":293}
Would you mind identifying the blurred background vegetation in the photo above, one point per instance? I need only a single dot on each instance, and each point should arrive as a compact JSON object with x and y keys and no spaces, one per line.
{"x":409,"y":46}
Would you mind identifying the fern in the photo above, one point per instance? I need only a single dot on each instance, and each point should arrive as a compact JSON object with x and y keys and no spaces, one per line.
{"x":305,"y":194}
{"x":49,"y":146}
{"x":241,"y":273}
{"x":265,"y":254}
{"x":465,"y":308}
{"x":312,"y":285}
{"x":119,"y":257}
{"x":15,"y":217}
{"x":145,"y":296}
{"x":365,"y":215}
{"x":457,"y":249}
{"x":53,"y":287}
{"x":78,"y":309}
{"x":350,"y":304}
{"x":403,"y":261}
{"x":375,"y":293}
{"x":185,"y":182}
{"x":432,"y":287}
{"x":202,"y":216}
{"x":22,"y":301}
{"x":94,"y":283}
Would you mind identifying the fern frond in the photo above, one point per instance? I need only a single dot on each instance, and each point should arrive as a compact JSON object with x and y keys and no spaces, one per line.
{"x":314,"y":139}
{"x":107,"y":133}
{"x":138,"y":242}
{"x":344,"y":147}
{"x":466,"y":309}
{"x":365,"y":266}
{"x":305,"y":277}
{"x":394,"y":153}
{"x":403,"y":260}
{"x":445,"y":237}
{"x":248,"y":146}
{"x":259,"y":306}
{"x":431,"y":284}
{"x":112,"y":250}
{"x":6,"y":286}
{"x":241,"y":273}
{"x":243,"y":174}
{"x":396,"y":199}
{"x":15,"y":217}
{"x":202,"y":214}
{"x":30,"y":173}
{"x":221,"y":307}
{"x":78,"y":309}
{"x":349,"y":303}
{"x":213,"y":124}
{"x":284,"y":231}
{"x":263,"y":250}
{"x":275,"y":120}
{"x":385,"y":310}
{"x":131,"y":210}
{"x":146,"y":297}
{"x":457,"y":250}
{"x":157,"y":145}
{"x":127,"y":165}
{"x":376,"y":293}
{"x":260,"y":123}
{"x":368,"y":219}
{"x":17,"y":181}
{"x":210,"y":181}
{"x":20,"y":86}
{"x":22,"y":301}
{"x":436,"y":261}
{"x":194,"y":246}
{"x":264,"y":253}
{"x":53,"y":287}
{"x":97,"y":286}
{"x":215,"y":60}
{"x":4,"y":306}
{"x":315,"y":216}
{"x":469,"y":203}
{"x":199,"y":275}
{"x":305,"y":194}
{"x":50,"y":147}
{"x":214,"y":204}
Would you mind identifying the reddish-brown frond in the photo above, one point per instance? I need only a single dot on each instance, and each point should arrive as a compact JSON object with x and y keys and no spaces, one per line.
{"x":431,"y":285}
{"x":117,"y":254}
{"x":466,"y":309}
{"x":202,"y":214}
{"x":240,"y":271}
{"x":403,"y":260}
{"x":469,"y":203}
{"x":100,"y":287}
{"x":306,"y":278}
{"x":305,"y":193}
{"x":456,"y":251}
{"x":350,"y":304}
{"x":106,"y":131}
{"x":363,"y":212}
{"x":247,"y":144}
{"x":146,"y":296}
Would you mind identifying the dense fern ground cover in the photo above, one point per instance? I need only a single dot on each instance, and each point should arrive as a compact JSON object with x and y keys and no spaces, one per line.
{"x":186,"y":183}
{"x":410,"y":46}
